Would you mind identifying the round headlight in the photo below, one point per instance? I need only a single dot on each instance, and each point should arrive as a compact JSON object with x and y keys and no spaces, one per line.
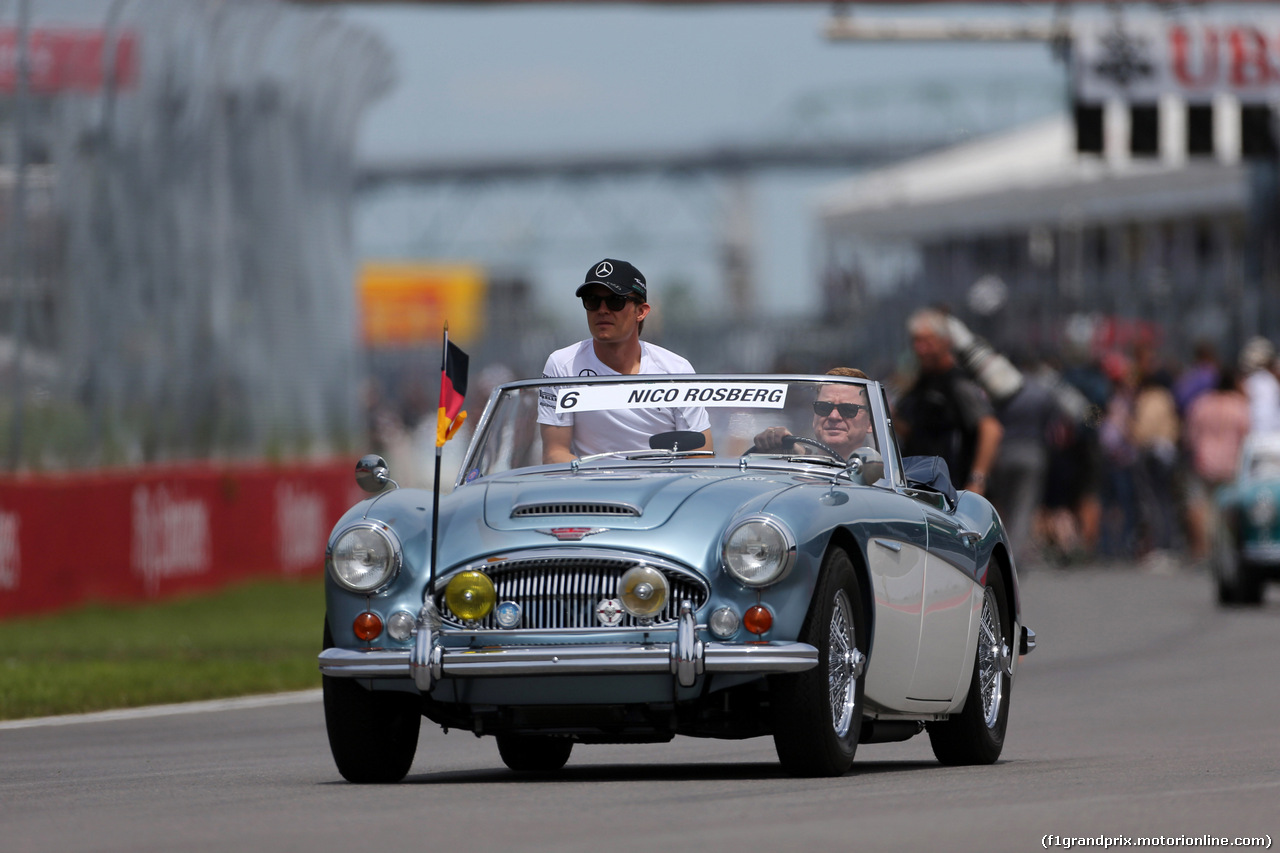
{"x":643,"y":591}
{"x":470,"y":596}
{"x":364,"y":558}
{"x":758,"y":551}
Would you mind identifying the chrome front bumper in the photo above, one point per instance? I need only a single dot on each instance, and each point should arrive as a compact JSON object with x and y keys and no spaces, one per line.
{"x":686,"y":658}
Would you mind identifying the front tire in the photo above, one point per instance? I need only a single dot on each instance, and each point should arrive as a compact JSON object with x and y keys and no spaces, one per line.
{"x":817,"y":714}
{"x":976,"y":734}
{"x":534,"y":753}
{"x":373,"y":735}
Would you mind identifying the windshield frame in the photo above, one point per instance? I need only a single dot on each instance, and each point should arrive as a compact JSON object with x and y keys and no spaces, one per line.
{"x":875,"y":392}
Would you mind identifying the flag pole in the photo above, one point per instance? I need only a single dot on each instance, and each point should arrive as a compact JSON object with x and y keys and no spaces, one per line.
{"x":435,"y":489}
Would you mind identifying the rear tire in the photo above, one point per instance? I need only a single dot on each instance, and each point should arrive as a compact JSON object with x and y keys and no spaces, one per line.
{"x":1248,"y":590}
{"x":976,"y":734}
{"x":817,"y":714}
{"x":373,"y":735}
{"x":534,"y":753}
{"x":1237,"y":581}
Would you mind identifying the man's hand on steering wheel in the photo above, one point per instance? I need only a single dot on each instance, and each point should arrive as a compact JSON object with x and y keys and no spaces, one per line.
{"x":773,"y":440}
{"x":779,"y":440}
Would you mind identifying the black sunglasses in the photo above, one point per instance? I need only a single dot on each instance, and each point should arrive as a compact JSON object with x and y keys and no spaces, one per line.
{"x":848,"y":411}
{"x":614,"y":302}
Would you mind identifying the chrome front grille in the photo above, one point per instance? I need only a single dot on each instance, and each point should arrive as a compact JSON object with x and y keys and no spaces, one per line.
{"x":561,"y":591}
{"x":614,"y":510}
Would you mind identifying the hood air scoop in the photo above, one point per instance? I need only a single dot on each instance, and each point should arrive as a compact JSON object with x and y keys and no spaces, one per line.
{"x":614,"y":510}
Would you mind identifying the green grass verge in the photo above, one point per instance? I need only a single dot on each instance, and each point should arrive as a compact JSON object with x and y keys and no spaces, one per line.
{"x":260,"y":637}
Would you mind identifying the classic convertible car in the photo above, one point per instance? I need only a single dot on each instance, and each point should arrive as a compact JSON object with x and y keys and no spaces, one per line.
{"x":1246,"y":552}
{"x":666,"y":588}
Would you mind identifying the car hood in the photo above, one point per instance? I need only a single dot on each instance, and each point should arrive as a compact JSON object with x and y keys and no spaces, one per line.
{"x":691,"y":505}
{"x":633,"y":500}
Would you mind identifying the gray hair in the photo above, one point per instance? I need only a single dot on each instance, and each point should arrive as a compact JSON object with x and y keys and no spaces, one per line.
{"x":929,"y":320}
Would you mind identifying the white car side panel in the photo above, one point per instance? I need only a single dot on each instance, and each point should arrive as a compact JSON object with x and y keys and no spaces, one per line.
{"x":970,"y":654}
{"x":952,"y":602}
{"x":897,"y":582}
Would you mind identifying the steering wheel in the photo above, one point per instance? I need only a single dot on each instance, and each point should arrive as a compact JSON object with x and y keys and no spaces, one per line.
{"x":800,"y":439}
{"x":813,"y":442}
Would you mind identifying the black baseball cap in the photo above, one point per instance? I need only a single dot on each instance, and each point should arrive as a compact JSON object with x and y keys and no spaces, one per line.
{"x":619,"y":276}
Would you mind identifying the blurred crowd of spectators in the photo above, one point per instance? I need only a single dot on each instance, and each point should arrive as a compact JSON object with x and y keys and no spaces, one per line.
{"x":1125,"y":449}
{"x":1105,"y":455}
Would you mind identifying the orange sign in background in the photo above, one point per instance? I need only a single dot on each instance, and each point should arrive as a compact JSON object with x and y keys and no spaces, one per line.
{"x":405,"y":304}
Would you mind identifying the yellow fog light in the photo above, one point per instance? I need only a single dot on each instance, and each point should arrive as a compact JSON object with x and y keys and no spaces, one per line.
{"x":643,"y":591}
{"x":470,"y":596}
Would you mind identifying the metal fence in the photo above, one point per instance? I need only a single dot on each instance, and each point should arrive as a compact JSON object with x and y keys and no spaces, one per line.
{"x":178,"y":256}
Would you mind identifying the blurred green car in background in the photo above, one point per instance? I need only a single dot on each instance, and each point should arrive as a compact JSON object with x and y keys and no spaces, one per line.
{"x":1246,"y":552}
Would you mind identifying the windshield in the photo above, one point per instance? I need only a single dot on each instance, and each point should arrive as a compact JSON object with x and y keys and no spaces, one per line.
{"x":819,"y":421}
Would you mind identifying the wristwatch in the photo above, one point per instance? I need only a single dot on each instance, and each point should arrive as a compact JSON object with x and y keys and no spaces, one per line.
{"x":978,"y":477}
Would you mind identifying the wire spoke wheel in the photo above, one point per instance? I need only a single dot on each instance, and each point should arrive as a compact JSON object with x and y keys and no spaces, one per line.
{"x":817,"y":714}
{"x":976,"y":734}
{"x":840,"y":664}
{"x":990,"y":670}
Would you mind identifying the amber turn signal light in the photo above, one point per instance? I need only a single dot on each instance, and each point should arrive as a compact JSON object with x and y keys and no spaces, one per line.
{"x":367,"y":626}
{"x":757,"y":619}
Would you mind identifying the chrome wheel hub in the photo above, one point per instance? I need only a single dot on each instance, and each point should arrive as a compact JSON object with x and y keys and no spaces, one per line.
{"x":992,"y":662}
{"x":844,"y":665}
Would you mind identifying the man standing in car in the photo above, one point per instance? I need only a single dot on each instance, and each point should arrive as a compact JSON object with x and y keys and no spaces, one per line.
{"x":945,"y":413}
{"x":615,"y":296}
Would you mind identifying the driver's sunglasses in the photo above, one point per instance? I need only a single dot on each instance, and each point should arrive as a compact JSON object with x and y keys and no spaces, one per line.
{"x":848,"y":411}
{"x":614,"y":302}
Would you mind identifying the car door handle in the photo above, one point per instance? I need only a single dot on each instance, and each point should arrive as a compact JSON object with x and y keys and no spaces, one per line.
{"x":970,"y":537}
{"x":892,"y":546}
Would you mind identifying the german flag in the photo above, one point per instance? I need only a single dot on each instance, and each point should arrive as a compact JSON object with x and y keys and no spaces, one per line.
{"x":453,"y":387}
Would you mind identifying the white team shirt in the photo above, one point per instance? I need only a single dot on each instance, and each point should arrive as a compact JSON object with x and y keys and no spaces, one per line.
{"x":1263,"y":392}
{"x":601,"y":432}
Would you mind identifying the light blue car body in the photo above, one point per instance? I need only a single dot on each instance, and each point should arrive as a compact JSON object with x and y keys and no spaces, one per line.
{"x":923,"y":558}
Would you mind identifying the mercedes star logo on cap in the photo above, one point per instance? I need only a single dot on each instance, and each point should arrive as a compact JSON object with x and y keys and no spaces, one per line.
{"x":605,"y":269}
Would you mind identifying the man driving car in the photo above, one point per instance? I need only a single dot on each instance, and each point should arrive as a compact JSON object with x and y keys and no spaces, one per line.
{"x":841,"y":421}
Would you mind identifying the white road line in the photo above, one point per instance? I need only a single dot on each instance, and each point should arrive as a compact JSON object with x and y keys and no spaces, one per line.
{"x":264,"y":701}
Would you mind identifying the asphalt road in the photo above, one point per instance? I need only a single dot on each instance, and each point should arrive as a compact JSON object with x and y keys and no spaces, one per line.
{"x":1146,"y":711}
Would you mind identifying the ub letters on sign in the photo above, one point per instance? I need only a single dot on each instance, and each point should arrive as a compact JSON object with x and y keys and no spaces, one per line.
{"x":1140,"y":59}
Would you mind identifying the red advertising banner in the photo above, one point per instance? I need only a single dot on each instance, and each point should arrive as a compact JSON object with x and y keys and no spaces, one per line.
{"x":68,"y":60}
{"x":147,"y":534}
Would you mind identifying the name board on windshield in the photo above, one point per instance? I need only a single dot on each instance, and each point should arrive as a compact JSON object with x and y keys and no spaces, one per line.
{"x":595,"y":398}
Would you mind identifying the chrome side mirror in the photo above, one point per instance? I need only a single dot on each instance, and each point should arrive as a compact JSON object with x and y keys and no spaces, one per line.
{"x":371,"y":474}
{"x":868,"y":464}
